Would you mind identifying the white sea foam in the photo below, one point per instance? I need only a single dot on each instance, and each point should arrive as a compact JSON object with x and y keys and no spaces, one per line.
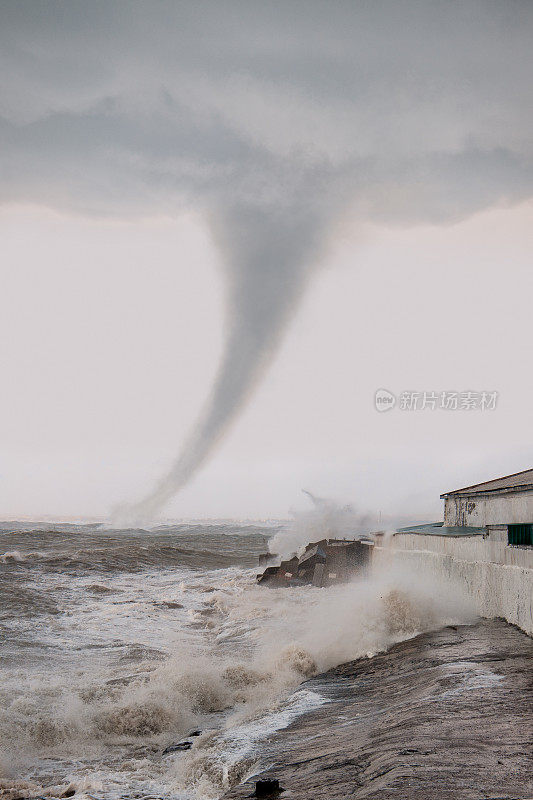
{"x":129,"y":670}
{"x":327,"y":519}
{"x":222,"y":758}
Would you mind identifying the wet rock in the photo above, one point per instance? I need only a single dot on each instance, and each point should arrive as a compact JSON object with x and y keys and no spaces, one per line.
{"x":180,"y":747}
{"x":396,"y":728}
{"x":323,"y":563}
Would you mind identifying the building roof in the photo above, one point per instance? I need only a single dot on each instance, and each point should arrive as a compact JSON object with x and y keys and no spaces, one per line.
{"x":439,"y":529}
{"x":518,"y":482}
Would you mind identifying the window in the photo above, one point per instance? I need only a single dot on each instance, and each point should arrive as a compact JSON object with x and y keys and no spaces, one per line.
{"x":520,"y":535}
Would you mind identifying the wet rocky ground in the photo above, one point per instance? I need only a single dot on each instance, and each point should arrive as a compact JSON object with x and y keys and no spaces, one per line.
{"x":445,"y":715}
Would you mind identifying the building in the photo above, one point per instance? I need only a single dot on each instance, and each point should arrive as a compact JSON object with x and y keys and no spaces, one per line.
{"x":503,"y":507}
{"x":483,"y":547}
{"x":485,"y":544}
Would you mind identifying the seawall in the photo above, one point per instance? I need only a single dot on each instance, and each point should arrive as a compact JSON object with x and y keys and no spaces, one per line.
{"x":499,"y":578}
{"x":445,"y":714}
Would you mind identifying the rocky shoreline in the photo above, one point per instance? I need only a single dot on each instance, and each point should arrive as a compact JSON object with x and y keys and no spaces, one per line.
{"x":446,"y":714}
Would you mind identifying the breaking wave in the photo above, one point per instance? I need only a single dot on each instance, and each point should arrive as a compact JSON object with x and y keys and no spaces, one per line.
{"x":75,"y":549}
{"x":126,"y":662}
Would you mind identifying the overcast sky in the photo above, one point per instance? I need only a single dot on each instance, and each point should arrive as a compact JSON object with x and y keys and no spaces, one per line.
{"x":325,"y":198}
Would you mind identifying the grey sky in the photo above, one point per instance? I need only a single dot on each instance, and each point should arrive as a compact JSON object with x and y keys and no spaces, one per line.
{"x":332,"y":117}
{"x":130,"y":106}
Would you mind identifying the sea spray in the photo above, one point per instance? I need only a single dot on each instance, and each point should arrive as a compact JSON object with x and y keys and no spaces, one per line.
{"x":325,"y":628}
{"x":327,"y":519}
{"x":97,"y":688}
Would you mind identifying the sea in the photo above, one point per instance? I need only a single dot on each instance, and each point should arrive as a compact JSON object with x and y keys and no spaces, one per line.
{"x":150,"y":664}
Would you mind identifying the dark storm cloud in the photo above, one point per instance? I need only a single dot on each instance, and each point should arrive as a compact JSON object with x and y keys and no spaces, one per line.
{"x":274,"y":118}
{"x":121,"y":106}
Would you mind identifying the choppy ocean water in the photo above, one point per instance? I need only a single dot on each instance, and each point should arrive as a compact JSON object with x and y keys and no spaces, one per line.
{"x":116,"y":645}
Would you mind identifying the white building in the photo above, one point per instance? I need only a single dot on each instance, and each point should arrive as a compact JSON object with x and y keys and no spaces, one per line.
{"x":484,"y":544}
{"x":504,"y":506}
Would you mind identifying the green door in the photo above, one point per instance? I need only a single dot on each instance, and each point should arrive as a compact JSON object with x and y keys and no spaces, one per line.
{"x":520,"y":535}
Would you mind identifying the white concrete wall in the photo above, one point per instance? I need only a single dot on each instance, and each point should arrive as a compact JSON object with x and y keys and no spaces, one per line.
{"x":498,"y":578}
{"x":467,"y":548}
{"x":506,"y":509}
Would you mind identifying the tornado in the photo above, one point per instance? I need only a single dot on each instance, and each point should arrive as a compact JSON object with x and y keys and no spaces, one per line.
{"x":269,"y":255}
